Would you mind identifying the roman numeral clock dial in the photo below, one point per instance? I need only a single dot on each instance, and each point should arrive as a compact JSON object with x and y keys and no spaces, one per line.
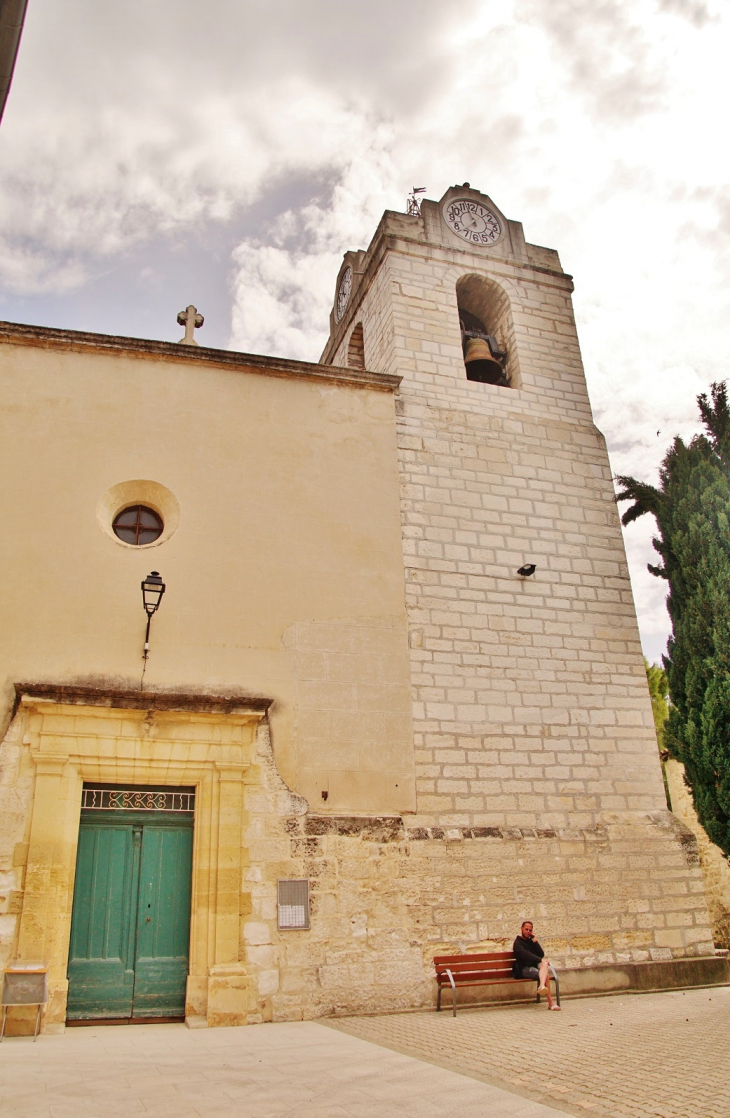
{"x":344,"y":290}
{"x":472,"y":221}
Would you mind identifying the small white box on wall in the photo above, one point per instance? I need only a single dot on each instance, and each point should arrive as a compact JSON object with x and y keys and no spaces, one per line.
{"x":293,"y":903}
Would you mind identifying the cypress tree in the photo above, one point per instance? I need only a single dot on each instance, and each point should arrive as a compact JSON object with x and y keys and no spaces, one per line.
{"x":692,"y":511}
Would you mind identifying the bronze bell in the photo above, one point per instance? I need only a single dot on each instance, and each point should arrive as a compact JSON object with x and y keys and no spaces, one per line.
{"x":481,"y":363}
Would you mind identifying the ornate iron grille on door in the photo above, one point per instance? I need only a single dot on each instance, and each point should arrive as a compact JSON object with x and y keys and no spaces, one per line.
{"x":136,"y":799}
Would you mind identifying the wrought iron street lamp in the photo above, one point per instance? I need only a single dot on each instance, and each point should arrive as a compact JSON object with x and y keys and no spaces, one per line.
{"x":152,"y":590}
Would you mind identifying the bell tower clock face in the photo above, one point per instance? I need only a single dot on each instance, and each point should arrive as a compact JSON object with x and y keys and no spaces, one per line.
{"x":472,"y":221}
{"x":343,"y":294}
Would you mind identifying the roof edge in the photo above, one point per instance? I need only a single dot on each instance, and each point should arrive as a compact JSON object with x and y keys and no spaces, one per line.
{"x":18,"y":333}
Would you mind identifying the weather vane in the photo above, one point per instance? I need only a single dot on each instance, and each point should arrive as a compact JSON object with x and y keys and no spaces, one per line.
{"x":413,"y":206}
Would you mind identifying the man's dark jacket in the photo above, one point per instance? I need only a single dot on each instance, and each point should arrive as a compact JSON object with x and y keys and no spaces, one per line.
{"x":528,"y":953}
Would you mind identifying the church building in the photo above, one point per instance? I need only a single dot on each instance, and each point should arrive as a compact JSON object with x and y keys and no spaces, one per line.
{"x":313,"y":671}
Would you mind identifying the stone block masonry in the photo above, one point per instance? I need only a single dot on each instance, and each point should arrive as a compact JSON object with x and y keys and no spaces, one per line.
{"x":388,"y":893}
{"x":386,"y":897}
{"x":530,"y":701}
{"x":529,"y":695}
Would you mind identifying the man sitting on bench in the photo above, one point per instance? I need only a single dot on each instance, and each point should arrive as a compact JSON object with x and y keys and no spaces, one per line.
{"x":530,"y":961}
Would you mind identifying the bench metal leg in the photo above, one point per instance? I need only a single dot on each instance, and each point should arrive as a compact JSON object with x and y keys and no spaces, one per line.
{"x":438,"y":1001}
{"x":37,"y":1020}
{"x":453,"y":992}
{"x":2,"y":1030}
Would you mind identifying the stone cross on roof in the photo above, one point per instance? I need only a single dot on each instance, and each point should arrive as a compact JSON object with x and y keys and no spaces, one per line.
{"x":190,"y":319}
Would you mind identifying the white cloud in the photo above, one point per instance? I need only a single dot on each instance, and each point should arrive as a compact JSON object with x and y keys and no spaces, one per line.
{"x":280,"y":297}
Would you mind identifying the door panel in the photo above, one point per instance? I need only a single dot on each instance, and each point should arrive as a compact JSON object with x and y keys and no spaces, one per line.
{"x":100,"y":970}
{"x":130,"y":928}
{"x":163,"y":923}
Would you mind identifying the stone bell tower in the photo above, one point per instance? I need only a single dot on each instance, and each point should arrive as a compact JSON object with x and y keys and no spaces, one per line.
{"x":532,"y":721}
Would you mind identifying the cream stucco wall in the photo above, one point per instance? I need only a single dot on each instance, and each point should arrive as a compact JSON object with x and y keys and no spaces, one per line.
{"x":284,"y":574}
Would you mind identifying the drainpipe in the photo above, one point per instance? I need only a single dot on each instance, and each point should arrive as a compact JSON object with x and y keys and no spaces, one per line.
{"x":12,"y":14}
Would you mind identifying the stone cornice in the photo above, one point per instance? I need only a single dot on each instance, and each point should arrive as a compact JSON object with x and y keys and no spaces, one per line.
{"x":122,"y":699}
{"x":16,"y":333}
{"x":510,"y":263}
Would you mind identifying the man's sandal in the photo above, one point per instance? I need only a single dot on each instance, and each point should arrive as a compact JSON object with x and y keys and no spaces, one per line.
{"x":555,"y":1007}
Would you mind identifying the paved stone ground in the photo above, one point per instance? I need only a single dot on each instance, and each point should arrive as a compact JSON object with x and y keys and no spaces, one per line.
{"x":645,"y":1055}
{"x":300,"y":1070}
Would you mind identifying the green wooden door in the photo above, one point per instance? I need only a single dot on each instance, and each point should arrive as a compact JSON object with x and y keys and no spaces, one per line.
{"x":131,"y":919}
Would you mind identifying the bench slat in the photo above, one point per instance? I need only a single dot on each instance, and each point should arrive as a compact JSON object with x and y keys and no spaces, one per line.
{"x":496,"y":964}
{"x":467,"y":976}
{"x":474,"y":972}
{"x":478,"y":956}
{"x":488,"y":982}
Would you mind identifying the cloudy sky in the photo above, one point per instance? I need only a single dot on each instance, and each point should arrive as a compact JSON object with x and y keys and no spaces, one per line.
{"x":161,"y":152}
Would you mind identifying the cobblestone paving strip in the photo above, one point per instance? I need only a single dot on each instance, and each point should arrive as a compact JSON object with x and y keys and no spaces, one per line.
{"x":643,"y":1055}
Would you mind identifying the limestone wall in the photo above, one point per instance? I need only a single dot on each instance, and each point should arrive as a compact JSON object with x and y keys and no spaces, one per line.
{"x":530,"y":698}
{"x":386,"y":896}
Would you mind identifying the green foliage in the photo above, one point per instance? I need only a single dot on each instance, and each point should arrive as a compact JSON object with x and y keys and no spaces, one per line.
{"x":656,"y":677}
{"x":692,"y":511}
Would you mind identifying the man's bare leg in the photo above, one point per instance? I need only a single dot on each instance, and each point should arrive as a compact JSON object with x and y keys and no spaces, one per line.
{"x":544,"y":986}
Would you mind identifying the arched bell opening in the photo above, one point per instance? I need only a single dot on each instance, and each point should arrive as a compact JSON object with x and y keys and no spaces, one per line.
{"x":356,"y":348}
{"x":485,"y":321}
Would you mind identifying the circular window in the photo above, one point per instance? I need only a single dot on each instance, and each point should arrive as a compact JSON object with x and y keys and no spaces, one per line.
{"x":138,"y":525}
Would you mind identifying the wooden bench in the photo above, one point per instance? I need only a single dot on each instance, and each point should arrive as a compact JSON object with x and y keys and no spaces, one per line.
{"x":480,"y":969}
